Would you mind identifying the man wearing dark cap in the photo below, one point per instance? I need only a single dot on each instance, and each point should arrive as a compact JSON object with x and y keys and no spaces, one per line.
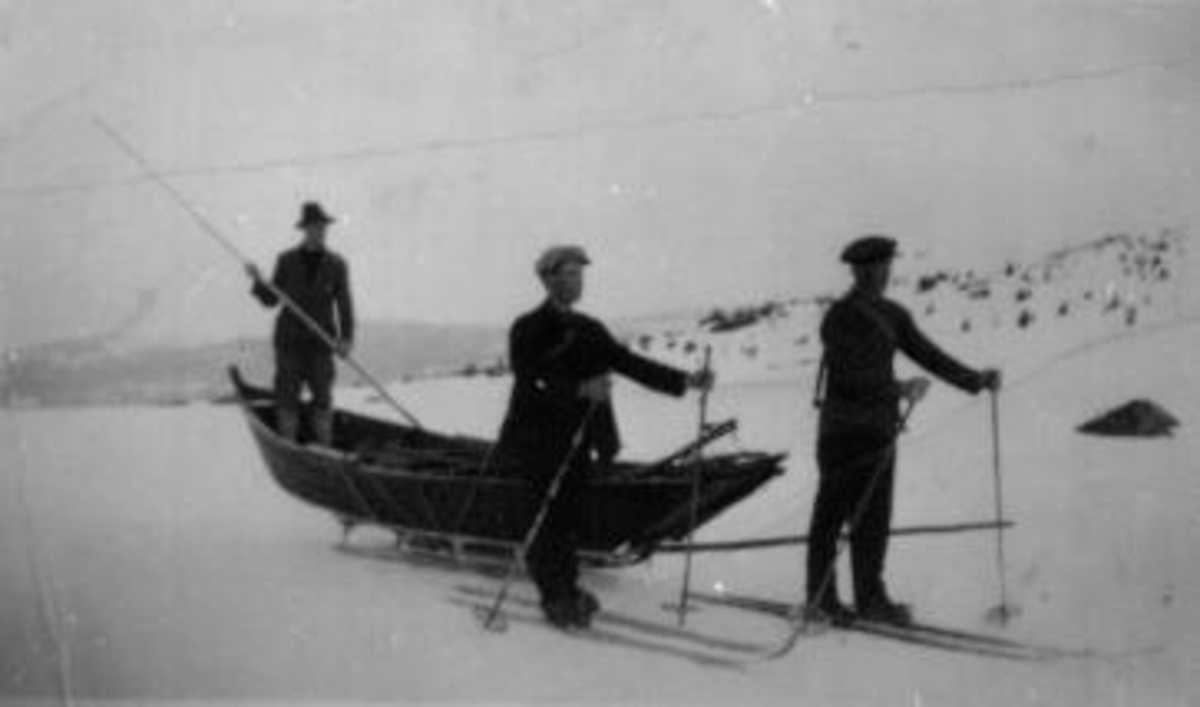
{"x":859,"y":423}
{"x":316,"y":280}
{"x":560,"y":416}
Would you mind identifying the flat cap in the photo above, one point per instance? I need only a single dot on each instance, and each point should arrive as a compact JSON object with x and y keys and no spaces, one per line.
{"x":556,"y":256}
{"x":869,"y":249}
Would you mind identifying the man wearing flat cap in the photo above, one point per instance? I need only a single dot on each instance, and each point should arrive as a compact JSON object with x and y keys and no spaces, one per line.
{"x":317,"y":280}
{"x":560,"y":416}
{"x":859,"y":397}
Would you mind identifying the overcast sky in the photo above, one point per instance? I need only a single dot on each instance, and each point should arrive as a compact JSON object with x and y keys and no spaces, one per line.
{"x":704,"y":151}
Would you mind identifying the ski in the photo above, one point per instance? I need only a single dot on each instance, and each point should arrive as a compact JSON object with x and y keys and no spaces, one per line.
{"x":608,"y":618}
{"x":605,"y":633}
{"x":924,"y":634}
{"x":783,"y":609}
{"x":609,"y":637}
{"x":947,"y":639}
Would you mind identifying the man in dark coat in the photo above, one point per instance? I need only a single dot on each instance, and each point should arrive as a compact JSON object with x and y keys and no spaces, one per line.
{"x":316,"y":280}
{"x":560,"y":416}
{"x":859,"y":423}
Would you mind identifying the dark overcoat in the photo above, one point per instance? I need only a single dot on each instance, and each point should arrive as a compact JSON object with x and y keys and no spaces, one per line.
{"x":320,"y":286}
{"x":552,"y":353}
{"x":861,"y":334}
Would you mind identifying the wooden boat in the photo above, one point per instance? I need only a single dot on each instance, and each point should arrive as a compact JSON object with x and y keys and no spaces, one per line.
{"x":445,"y":495}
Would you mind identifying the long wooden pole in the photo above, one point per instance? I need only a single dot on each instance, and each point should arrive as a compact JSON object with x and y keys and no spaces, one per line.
{"x":207,"y":226}
{"x":786,"y":540}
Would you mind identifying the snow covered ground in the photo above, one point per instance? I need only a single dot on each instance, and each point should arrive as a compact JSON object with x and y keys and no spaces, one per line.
{"x":701,"y":151}
{"x":146,"y":555}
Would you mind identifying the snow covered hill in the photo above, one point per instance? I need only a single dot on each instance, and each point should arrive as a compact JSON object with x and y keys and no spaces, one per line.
{"x":1113,"y":286}
{"x":1110,"y":286}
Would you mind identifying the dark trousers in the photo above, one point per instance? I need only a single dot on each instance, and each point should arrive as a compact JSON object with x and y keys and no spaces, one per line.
{"x":301,"y":367}
{"x":551,"y":559}
{"x":857,"y":473}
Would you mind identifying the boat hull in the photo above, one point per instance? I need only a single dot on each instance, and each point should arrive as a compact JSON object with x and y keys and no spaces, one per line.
{"x":418,"y":482}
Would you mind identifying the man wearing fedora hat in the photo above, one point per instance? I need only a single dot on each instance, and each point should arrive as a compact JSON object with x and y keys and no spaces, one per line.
{"x":560,"y":416}
{"x":316,"y":280}
{"x":860,"y":420}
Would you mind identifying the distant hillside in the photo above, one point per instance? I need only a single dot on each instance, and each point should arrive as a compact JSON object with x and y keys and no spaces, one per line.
{"x":1113,"y":284}
{"x":67,"y":374}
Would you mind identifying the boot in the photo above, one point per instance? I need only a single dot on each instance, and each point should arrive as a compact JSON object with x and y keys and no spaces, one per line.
{"x":562,"y":613}
{"x":586,"y":606}
{"x":829,"y":610}
{"x":322,"y":421}
{"x":883,"y":610}
{"x":287,"y":423}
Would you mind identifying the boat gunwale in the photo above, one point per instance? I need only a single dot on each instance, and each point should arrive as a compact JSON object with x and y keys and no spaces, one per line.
{"x":355,"y":463}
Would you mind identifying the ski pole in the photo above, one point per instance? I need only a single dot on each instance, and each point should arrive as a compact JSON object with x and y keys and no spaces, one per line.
{"x":492,"y":618}
{"x":1001,"y":612}
{"x":208,"y":227}
{"x":683,"y":607}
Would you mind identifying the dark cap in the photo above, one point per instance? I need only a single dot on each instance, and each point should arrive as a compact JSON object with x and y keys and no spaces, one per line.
{"x":556,"y":256}
{"x":869,"y":249}
{"x":310,"y":213}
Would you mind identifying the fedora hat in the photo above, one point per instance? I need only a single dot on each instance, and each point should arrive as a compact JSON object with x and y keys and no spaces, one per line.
{"x":312,"y":213}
